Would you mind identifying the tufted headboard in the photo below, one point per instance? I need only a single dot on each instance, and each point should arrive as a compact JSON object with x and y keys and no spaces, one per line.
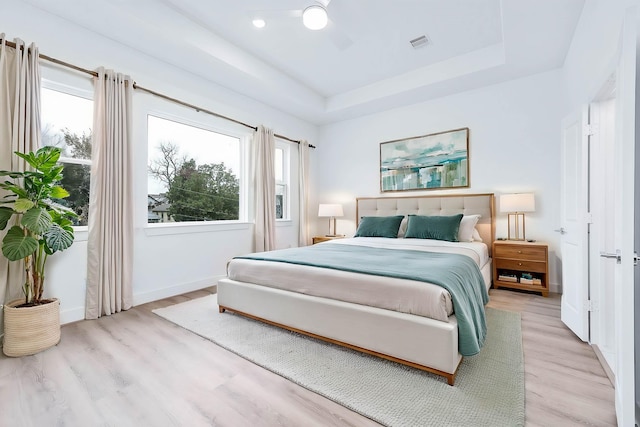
{"x":449,"y":204}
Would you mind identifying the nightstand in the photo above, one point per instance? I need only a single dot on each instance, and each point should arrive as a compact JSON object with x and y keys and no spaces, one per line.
{"x":318,"y":239}
{"x":521,"y":265}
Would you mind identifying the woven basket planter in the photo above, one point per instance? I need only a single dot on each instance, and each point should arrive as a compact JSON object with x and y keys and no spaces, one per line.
{"x":29,"y":330}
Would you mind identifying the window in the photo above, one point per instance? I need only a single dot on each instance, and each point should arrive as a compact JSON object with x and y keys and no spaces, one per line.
{"x":282,"y":180}
{"x":193,"y":173}
{"x":66,"y":123}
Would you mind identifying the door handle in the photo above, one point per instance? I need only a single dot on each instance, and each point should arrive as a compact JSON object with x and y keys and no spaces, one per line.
{"x":616,"y":256}
{"x":561,"y":230}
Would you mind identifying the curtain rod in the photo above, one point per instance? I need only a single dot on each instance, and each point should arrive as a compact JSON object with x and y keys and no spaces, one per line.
{"x":160,"y":95}
{"x":198,"y":109}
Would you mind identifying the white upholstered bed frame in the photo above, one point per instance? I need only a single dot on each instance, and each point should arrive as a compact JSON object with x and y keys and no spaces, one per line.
{"x":417,"y":341}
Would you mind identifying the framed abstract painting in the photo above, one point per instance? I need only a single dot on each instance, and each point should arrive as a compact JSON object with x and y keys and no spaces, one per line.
{"x":428,"y":162}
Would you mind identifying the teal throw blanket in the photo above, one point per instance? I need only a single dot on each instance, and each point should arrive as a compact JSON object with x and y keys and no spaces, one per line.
{"x":458,"y":274}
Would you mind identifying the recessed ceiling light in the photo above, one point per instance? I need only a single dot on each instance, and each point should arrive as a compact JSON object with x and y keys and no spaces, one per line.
{"x":315,"y":17}
{"x":259,"y":23}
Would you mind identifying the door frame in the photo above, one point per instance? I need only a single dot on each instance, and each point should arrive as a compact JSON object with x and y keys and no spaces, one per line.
{"x":625,"y":153}
{"x":601,"y":236}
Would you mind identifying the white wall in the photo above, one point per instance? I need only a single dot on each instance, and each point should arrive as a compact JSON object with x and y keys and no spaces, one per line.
{"x":514,"y":147}
{"x":170,"y":261}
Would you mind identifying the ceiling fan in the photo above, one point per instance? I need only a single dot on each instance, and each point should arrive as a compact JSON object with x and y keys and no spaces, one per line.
{"x":315,"y":17}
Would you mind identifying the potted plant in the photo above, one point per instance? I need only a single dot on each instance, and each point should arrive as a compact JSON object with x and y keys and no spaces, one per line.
{"x":41,"y":228}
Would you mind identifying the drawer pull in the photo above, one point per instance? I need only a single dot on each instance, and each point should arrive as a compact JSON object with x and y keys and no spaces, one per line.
{"x":519,"y":263}
{"x":519,"y":252}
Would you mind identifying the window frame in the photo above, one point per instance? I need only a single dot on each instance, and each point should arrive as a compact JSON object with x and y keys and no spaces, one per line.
{"x":74,"y":85}
{"x":181,"y":115}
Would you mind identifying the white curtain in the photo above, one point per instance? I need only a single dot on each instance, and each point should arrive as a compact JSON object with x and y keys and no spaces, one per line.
{"x":263,"y":148}
{"x":303,"y":185}
{"x":19,"y":131}
{"x":110,"y":240}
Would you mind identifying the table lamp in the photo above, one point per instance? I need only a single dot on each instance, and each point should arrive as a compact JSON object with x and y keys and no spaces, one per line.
{"x":332,"y":211}
{"x":515,"y":205}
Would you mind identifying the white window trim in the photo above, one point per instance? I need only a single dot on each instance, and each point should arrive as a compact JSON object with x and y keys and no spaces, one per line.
{"x":183,"y":227}
{"x":286,"y":180}
{"x":72,"y":160}
{"x":66,"y":88}
{"x":186,"y":227}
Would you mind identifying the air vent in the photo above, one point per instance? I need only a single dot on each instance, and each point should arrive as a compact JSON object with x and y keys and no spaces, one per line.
{"x":419,"y":42}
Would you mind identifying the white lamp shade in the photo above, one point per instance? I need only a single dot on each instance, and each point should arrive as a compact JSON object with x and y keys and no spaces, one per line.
{"x":315,"y":17}
{"x":518,"y":202}
{"x":330,"y":210}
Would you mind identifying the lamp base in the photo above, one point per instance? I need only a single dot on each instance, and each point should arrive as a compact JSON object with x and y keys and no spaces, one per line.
{"x":517,"y":226}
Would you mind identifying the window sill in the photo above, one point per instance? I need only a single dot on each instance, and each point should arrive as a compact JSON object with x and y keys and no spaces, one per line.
{"x":284,"y":223}
{"x":187,"y":228}
{"x":80,"y":234}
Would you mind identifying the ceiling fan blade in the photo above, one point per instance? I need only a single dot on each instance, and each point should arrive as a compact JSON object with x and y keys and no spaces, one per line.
{"x":338,"y":37}
{"x":275,"y":13}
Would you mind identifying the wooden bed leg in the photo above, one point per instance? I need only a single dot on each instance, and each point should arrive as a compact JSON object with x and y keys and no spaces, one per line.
{"x":221,"y":309}
{"x":451,"y":378}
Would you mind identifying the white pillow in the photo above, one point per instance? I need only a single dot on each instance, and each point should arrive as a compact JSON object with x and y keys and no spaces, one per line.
{"x":467,"y":227}
{"x":403,"y":227}
{"x":476,"y":235}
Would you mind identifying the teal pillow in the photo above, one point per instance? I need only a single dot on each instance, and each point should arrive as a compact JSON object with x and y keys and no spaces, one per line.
{"x":379,"y":226}
{"x":433,"y":227}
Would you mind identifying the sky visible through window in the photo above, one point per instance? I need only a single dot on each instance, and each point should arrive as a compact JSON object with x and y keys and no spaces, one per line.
{"x":61,"y":110}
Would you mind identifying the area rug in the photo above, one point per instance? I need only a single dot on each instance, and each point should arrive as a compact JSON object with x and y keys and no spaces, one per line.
{"x":489,"y":388}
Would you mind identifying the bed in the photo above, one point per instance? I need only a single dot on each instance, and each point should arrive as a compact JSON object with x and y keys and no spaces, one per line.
{"x":366,"y":312}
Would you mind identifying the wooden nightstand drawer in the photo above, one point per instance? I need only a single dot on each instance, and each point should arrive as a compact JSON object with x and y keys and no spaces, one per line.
{"x":530,"y":266}
{"x":529,"y":253}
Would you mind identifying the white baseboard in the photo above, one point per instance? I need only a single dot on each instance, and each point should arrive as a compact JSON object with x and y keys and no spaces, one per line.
{"x":75,"y":314}
{"x":71,"y":315}
{"x":555,"y":288}
{"x":157,"y":294}
{"x":605,"y":365}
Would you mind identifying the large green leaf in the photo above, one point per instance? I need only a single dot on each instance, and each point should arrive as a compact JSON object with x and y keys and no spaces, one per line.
{"x":12,"y":174}
{"x":57,"y":239}
{"x":28,"y":157}
{"x":5,"y":216}
{"x":43,"y":159}
{"x":58,"y":211}
{"x":56,"y":173}
{"x":58,"y":192}
{"x":37,"y":220}
{"x":16,"y":246}
{"x":10,"y":186}
{"x":47,"y":158}
{"x":22,"y":205}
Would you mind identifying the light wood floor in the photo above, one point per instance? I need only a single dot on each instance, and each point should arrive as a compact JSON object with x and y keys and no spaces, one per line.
{"x":136,"y":369}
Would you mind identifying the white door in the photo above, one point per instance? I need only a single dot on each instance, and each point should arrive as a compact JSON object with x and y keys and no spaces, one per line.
{"x":573,"y":226}
{"x":624,"y":227}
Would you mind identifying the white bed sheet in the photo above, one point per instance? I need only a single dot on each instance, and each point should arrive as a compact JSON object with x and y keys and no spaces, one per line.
{"x":407,"y":296}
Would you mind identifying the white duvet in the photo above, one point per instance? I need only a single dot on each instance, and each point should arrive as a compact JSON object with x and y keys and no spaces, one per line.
{"x":407,"y":296}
